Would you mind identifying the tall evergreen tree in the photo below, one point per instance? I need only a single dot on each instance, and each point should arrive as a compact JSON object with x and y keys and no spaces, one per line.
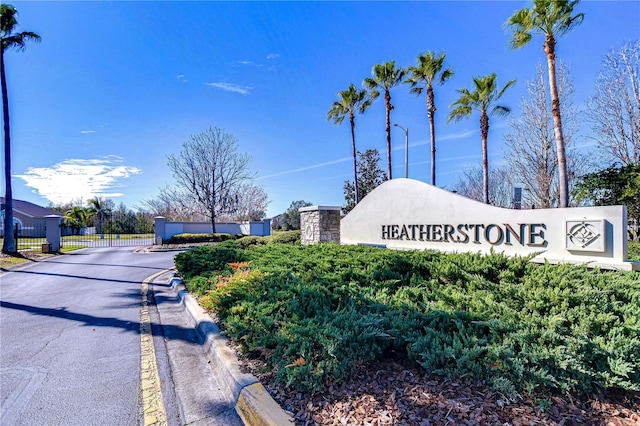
{"x":10,"y":40}
{"x":482,"y":98}
{"x":385,"y":77}
{"x":421,"y":77}
{"x":370,"y":175}
{"x":551,"y":18}
{"x":351,"y":101}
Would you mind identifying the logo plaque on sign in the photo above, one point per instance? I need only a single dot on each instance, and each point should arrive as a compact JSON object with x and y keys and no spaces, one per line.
{"x":586,"y":235}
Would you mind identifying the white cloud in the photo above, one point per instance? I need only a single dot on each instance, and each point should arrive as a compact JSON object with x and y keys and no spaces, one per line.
{"x":229,"y":87}
{"x":85,"y":132}
{"x":79,"y":178}
{"x":249,"y":64}
{"x":180,"y":77}
{"x":273,"y":56}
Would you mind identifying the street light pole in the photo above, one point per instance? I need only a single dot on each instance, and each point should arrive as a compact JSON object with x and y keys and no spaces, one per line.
{"x":406,"y":149}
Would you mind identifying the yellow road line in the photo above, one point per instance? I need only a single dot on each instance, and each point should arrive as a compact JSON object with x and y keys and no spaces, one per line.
{"x":153,"y":405}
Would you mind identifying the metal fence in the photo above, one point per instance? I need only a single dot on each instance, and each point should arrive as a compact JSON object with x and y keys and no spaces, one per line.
{"x":29,"y":237}
{"x":116,"y":229}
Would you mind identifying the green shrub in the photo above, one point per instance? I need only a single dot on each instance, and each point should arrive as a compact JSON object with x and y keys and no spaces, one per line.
{"x":634,"y":250}
{"x":205,"y":260}
{"x":201,"y":238}
{"x":288,"y":237}
{"x":252,"y":240}
{"x":315,"y":312}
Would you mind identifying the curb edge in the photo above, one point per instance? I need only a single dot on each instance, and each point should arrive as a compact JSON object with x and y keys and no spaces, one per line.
{"x":253,"y":403}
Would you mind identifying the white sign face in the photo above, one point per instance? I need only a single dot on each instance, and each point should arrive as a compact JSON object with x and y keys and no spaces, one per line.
{"x":409,"y":214}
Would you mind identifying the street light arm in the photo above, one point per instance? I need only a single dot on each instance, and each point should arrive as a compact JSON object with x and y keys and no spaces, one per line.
{"x":406,"y":149}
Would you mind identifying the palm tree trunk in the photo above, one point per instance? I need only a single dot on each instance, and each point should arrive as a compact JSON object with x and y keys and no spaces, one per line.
{"x":388,"y":107}
{"x":431,"y":109}
{"x":356,"y":187}
{"x":484,"y":132}
{"x":563,"y":182}
{"x":9,"y":244}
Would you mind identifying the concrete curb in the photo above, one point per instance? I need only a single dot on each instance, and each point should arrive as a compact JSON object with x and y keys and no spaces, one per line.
{"x":253,"y":403}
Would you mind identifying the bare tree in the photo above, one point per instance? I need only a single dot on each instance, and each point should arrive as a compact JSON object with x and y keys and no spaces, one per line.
{"x":530,"y":148}
{"x":210,"y":169}
{"x":174,"y":204}
{"x":250,"y":203}
{"x":614,"y":110}
{"x":471,"y":185}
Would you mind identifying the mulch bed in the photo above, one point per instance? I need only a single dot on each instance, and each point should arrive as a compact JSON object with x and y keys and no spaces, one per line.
{"x":397,"y":392}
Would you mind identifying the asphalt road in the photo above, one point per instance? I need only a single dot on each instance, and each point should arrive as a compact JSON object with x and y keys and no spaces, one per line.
{"x":70,"y":340}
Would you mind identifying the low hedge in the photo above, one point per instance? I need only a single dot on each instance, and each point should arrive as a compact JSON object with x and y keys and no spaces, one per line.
{"x":187,"y":238}
{"x":314,"y":312}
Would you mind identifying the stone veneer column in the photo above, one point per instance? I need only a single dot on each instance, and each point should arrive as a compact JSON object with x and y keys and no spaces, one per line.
{"x":320,"y":224}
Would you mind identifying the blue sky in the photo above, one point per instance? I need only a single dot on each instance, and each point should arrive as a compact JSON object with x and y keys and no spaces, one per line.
{"x":116,"y":87}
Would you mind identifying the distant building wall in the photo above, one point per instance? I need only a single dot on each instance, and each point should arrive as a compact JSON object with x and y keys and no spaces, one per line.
{"x":165,"y":230}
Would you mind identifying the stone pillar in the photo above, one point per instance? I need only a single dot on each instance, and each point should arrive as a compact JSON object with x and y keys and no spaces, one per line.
{"x":320,"y":224}
{"x":53,"y":231}
{"x":159,"y":223}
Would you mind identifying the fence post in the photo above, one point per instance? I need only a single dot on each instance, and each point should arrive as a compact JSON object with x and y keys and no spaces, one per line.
{"x":53,"y":231}
{"x":159,"y":223}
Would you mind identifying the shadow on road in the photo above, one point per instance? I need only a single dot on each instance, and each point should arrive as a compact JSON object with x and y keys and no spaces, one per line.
{"x":82,"y":277}
{"x":170,"y":332}
{"x":107,"y":264}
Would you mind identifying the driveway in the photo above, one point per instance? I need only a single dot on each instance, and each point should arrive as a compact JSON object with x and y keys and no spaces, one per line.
{"x":72,"y":341}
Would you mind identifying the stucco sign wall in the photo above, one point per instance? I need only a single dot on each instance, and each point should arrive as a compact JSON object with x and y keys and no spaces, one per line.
{"x":410,"y":214}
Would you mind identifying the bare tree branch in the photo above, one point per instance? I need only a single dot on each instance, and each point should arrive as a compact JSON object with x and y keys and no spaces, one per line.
{"x":530,"y":152}
{"x":614,"y":109}
{"x":210,"y":169}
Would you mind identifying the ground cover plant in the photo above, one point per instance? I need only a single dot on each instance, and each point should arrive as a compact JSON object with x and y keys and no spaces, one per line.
{"x":187,"y":238}
{"x":314,"y":313}
{"x":634,"y":250}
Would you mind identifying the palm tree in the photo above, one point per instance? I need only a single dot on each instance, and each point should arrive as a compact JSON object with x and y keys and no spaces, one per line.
{"x":485,"y":93}
{"x":553,"y":19}
{"x":76,"y":218}
{"x":101,"y":208}
{"x":385,"y":77}
{"x":428,"y":71}
{"x":351,"y":101}
{"x":10,"y":39}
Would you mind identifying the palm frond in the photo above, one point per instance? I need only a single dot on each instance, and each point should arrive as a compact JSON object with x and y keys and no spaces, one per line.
{"x":501,"y":111}
{"x":350,"y":101}
{"x":549,"y":17}
{"x":457,"y":114}
{"x":369,"y":83}
{"x":7,"y":19}
{"x":446,"y":75}
{"x":506,"y":86}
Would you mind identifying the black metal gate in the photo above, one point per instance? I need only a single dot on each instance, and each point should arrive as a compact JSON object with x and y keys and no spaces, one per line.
{"x":29,"y":237}
{"x":113,"y":229}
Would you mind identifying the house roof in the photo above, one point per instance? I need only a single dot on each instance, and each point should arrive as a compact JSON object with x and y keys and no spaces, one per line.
{"x":30,"y":209}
